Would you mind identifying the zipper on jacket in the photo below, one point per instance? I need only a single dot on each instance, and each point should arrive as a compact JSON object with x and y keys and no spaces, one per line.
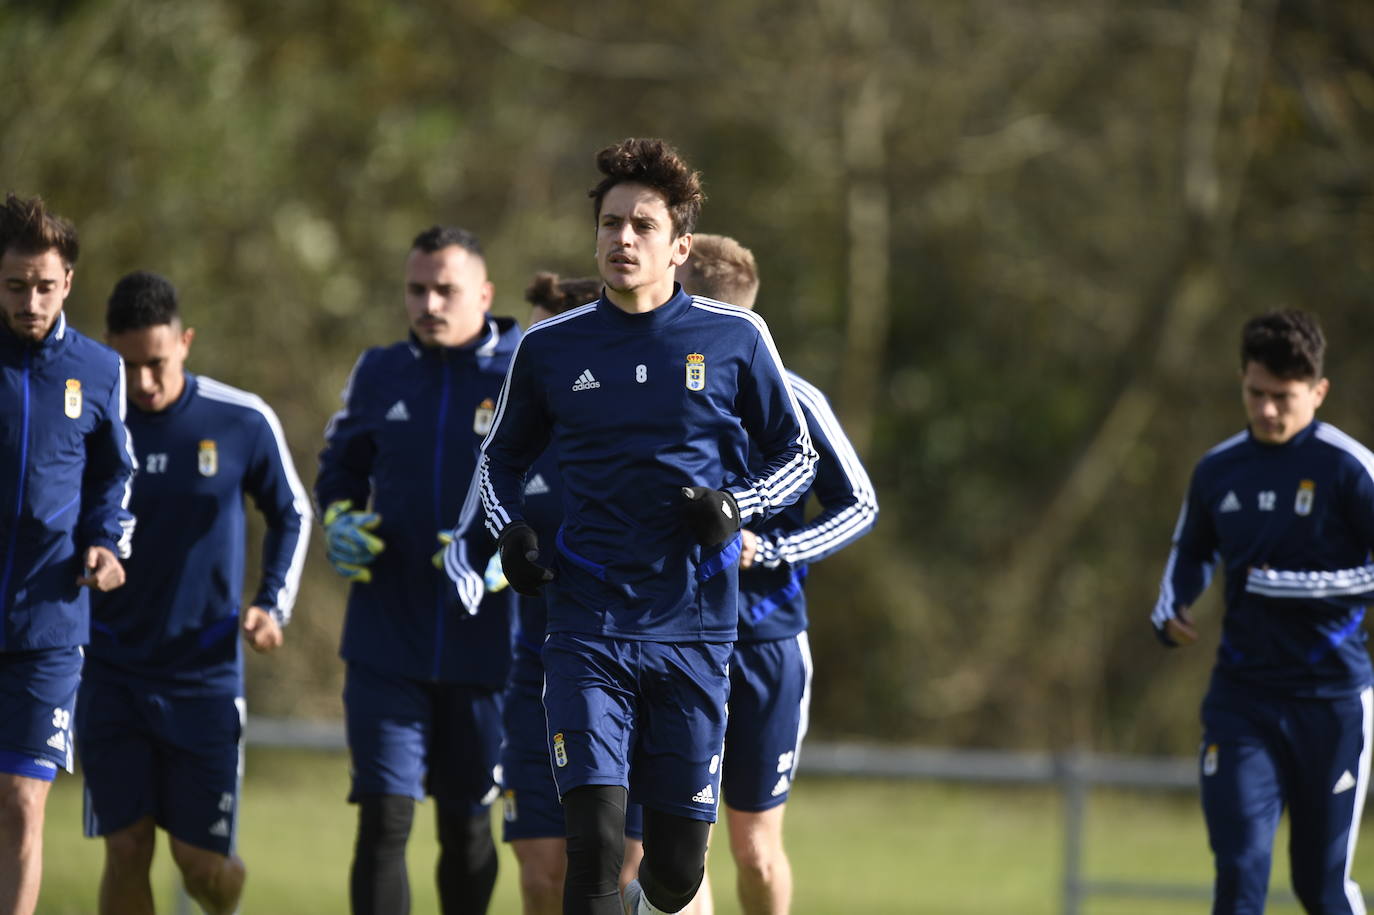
{"x":18,"y":506}
{"x":439,"y":602}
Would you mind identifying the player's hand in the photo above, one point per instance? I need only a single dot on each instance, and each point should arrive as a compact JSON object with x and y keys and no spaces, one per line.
{"x":748,"y":547}
{"x":518,"y":547}
{"x":261,"y":630}
{"x":712,"y":515}
{"x":1180,"y":628}
{"x":103,"y":570}
{"x":495,"y":576}
{"x":351,"y":546}
{"x":437,"y":560}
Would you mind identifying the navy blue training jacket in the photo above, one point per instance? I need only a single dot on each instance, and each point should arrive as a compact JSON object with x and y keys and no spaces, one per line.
{"x":772,"y":597}
{"x":639,"y":406}
{"x":65,"y":470}
{"x":175,"y":623}
{"x":1304,"y":506}
{"x":404,"y":445}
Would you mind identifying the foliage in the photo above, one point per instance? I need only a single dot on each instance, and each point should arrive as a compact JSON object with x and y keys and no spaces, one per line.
{"x":1014,"y":241}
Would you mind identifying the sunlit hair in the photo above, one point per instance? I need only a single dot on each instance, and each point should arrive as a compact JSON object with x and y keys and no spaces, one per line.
{"x":437,"y":238}
{"x":720,"y":268}
{"x":555,"y":295}
{"x":1289,"y":343}
{"x":656,"y":165}
{"x":141,"y":300}
{"x":27,"y":227}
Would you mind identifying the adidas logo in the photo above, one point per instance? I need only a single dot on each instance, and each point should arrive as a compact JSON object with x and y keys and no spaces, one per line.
{"x":1344,"y":783}
{"x":398,"y":411}
{"x":1230,"y":503}
{"x":781,"y":787}
{"x":536,"y":486}
{"x":705,"y":796}
{"x":58,"y":742}
{"x":585,"y":381}
{"x":221,"y":827}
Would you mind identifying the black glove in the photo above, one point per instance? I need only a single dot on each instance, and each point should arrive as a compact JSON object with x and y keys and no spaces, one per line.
{"x":712,"y":515}
{"x":519,"y":548}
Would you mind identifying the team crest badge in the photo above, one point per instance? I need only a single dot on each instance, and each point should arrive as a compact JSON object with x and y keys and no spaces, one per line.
{"x":481,"y":420}
{"x":560,"y":752}
{"x":508,"y":807}
{"x":696,"y":372}
{"x":1209,"y":760}
{"x":207,"y":462}
{"x":71,"y":402}
{"x":1307,"y":491}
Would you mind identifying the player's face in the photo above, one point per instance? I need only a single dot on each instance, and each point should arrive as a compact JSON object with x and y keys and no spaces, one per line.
{"x":32,"y":290}
{"x":1279,"y":408}
{"x":636,"y":251}
{"x":447,"y":296}
{"x":154,"y":359}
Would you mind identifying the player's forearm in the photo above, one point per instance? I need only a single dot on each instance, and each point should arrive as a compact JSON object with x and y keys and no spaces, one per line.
{"x":828,"y":533}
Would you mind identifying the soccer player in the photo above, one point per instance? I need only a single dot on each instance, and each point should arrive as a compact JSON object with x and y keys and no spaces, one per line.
{"x":159,"y":717}
{"x":422,"y":691}
{"x":770,"y":671}
{"x":1286,"y":719}
{"x":651,"y":399}
{"x":64,"y":521}
{"x":533,"y":817}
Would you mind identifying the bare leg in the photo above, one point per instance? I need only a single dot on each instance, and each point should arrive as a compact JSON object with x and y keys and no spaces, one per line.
{"x":22,"y":801}
{"x":213,"y":880}
{"x":764,"y":875}
{"x":125,"y":888}
{"x":543,"y":862}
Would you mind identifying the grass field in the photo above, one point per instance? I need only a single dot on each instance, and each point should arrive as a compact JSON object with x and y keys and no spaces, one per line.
{"x":856,"y":846}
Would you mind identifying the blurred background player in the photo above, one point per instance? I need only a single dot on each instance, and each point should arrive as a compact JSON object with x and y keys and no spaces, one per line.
{"x":770,"y":670}
{"x":161,"y":712}
{"x":533,"y":816}
{"x":424,"y":677}
{"x":652,"y":400}
{"x":1286,"y":722}
{"x":64,"y":521}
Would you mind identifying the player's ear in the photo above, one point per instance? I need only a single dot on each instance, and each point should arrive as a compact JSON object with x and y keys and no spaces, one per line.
{"x":682,"y":249}
{"x":1321,"y":389}
{"x":187,"y":336}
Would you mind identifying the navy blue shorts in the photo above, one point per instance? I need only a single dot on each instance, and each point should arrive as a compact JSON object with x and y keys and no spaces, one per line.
{"x":415,"y":737}
{"x":176,"y":759}
{"x":646,"y":715}
{"x":37,"y":698}
{"x":770,"y":697}
{"x":1262,"y":755}
{"x":529,"y":795}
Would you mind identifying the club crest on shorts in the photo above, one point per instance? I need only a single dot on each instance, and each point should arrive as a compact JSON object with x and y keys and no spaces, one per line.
{"x":508,"y":808}
{"x":1209,"y":760}
{"x":207,"y":461}
{"x":696,"y":372}
{"x":1307,"y":491}
{"x":481,"y":420}
{"x":71,"y":400}
{"x":560,"y":752}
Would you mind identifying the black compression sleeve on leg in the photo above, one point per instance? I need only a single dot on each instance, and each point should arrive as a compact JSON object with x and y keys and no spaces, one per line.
{"x":674,"y":858}
{"x":595,"y":818}
{"x":378,"y":884}
{"x":467,"y":861}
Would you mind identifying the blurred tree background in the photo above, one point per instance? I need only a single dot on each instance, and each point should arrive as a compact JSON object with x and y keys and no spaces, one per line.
{"x":1013,"y":239}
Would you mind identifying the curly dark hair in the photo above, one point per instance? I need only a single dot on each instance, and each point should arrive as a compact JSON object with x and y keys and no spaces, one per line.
{"x":28,"y":227}
{"x":437,"y":238}
{"x":556,"y":295}
{"x":1289,"y":343}
{"x":141,"y":299}
{"x":657,"y":165}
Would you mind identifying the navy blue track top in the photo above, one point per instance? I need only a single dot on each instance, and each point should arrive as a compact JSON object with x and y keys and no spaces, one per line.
{"x":772,"y":597}
{"x":65,"y":470}
{"x":404,"y":445}
{"x":639,"y":406}
{"x":1304,"y":506}
{"x":175,"y":622}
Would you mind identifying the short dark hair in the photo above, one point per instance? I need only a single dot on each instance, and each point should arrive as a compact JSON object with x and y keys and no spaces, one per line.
{"x":28,"y":227}
{"x":654,"y":164}
{"x":720,"y":268}
{"x":1289,"y":343}
{"x":556,"y":295}
{"x":141,"y":299}
{"x":437,"y":238}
